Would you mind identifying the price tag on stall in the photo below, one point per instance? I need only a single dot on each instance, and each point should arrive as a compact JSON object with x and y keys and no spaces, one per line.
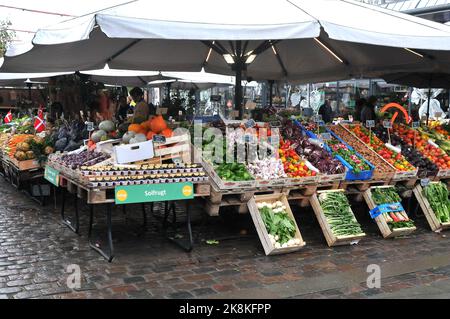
{"x":424,"y":182}
{"x":325,"y":136}
{"x":320,"y":123}
{"x":132,"y":194}
{"x":89,"y":126}
{"x":370,"y":123}
{"x":437,"y":114}
{"x":317,"y":118}
{"x":274,"y":124}
{"x":160,"y":139}
{"x":350,"y":118}
{"x":52,"y":175}
{"x":387,"y":124}
{"x":250,"y":123}
{"x":415,"y":124}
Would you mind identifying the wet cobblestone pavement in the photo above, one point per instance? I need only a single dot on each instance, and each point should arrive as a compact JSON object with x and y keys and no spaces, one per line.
{"x":35,"y":250}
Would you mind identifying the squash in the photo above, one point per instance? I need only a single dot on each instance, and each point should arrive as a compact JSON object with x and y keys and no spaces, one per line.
{"x":134,"y":128}
{"x":150,"y":135}
{"x":20,"y":156}
{"x":107,"y":126}
{"x":146,"y":124}
{"x":97,"y":135}
{"x":158,"y":124}
{"x":128,"y":136}
{"x":140,"y":138}
{"x":167,"y":132}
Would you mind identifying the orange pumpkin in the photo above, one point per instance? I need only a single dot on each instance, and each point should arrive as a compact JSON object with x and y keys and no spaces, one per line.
{"x":142,"y":130}
{"x":150,"y":135}
{"x":158,"y":124}
{"x":134,"y":128}
{"x":167,"y":132}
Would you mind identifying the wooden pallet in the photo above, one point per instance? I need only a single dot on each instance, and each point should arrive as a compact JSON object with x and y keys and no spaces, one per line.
{"x":432,"y":220}
{"x":331,"y":239}
{"x":269,"y":248}
{"x":381,"y":222}
{"x":175,"y":147}
{"x":104,"y":195}
{"x":234,"y":197}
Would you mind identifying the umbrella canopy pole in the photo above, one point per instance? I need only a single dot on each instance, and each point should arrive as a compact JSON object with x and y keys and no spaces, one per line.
{"x":270,"y":93}
{"x":238,"y":65}
{"x":429,"y":98}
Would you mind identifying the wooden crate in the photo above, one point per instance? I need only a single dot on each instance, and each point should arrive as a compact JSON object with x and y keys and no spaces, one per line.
{"x":381,"y":222}
{"x":227,"y":185}
{"x":269,"y":249}
{"x":176,"y":146}
{"x":25,"y":165}
{"x":434,"y":223}
{"x":332,"y":240}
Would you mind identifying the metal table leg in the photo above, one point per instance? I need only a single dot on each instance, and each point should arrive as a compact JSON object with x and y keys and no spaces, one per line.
{"x":109,"y":255}
{"x":189,"y":245}
{"x":66,"y":221}
{"x":144,"y":216}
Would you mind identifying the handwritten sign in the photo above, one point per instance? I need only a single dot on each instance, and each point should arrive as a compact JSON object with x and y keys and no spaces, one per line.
{"x":89,"y":126}
{"x":415,"y":124}
{"x":387,"y":124}
{"x":159,"y":139}
{"x":250,"y":123}
{"x":370,"y":123}
{"x":424,"y":182}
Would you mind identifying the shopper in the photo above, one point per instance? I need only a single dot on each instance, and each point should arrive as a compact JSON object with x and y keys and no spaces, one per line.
{"x":359,"y":105}
{"x":368,"y":111}
{"x":141,"y":110}
{"x":122,"y":109}
{"x":326,"y":112}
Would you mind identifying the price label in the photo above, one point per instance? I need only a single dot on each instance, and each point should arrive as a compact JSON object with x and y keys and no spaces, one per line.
{"x":89,"y":126}
{"x":318,"y":118}
{"x":326,"y":136}
{"x":415,"y":124}
{"x":320,"y":123}
{"x":350,"y":118}
{"x":370,"y":123}
{"x":250,"y":123}
{"x":387,"y":124}
{"x":424,"y":182}
{"x":275,"y":124}
{"x":160,"y":139}
{"x":437,"y":114}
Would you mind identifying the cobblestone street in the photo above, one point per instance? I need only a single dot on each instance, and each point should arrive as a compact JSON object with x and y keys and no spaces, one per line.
{"x":35,"y":250}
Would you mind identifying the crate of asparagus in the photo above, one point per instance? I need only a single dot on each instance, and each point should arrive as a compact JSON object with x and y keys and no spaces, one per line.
{"x":336,"y":218}
{"x":435,"y":204}
{"x":387,"y":211}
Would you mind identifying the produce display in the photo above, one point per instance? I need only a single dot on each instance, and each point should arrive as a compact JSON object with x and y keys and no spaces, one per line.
{"x":424,"y":165}
{"x":315,"y":154}
{"x":338,"y":213}
{"x":437,"y":196}
{"x":233,"y":172}
{"x":20,"y":125}
{"x":279,"y":225}
{"x":433,"y":153}
{"x":395,"y":159}
{"x":84,"y":158}
{"x":357,"y":163}
{"x":294,"y":166}
{"x":146,"y":130}
{"x":381,"y":166}
{"x":388,"y":195}
{"x":267,"y":169}
{"x":438,"y":134}
{"x":69,"y":136}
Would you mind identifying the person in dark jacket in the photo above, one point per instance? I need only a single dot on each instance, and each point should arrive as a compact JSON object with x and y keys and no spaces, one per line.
{"x":359,"y":105}
{"x":123,"y":109}
{"x":368,"y":111}
{"x":326,"y":112}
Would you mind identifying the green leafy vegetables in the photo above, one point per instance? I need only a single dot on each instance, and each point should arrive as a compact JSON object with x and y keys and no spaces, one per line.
{"x":336,"y":209}
{"x":233,"y":172}
{"x":437,"y":195}
{"x":388,"y":195}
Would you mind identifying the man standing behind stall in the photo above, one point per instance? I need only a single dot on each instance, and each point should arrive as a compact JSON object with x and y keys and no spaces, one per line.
{"x":141,"y":110}
{"x":326,"y":112}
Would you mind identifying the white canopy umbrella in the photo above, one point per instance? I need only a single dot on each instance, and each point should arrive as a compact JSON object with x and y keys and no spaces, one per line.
{"x":20,"y":79}
{"x":303,"y":40}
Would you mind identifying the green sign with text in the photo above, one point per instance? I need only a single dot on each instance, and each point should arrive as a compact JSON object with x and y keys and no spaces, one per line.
{"x":132,"y":194}
{"x":52,"y":175}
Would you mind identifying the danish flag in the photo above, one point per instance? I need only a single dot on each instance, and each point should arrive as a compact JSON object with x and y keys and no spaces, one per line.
{"x":8,"y":117}
{"x":39,"y":124}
